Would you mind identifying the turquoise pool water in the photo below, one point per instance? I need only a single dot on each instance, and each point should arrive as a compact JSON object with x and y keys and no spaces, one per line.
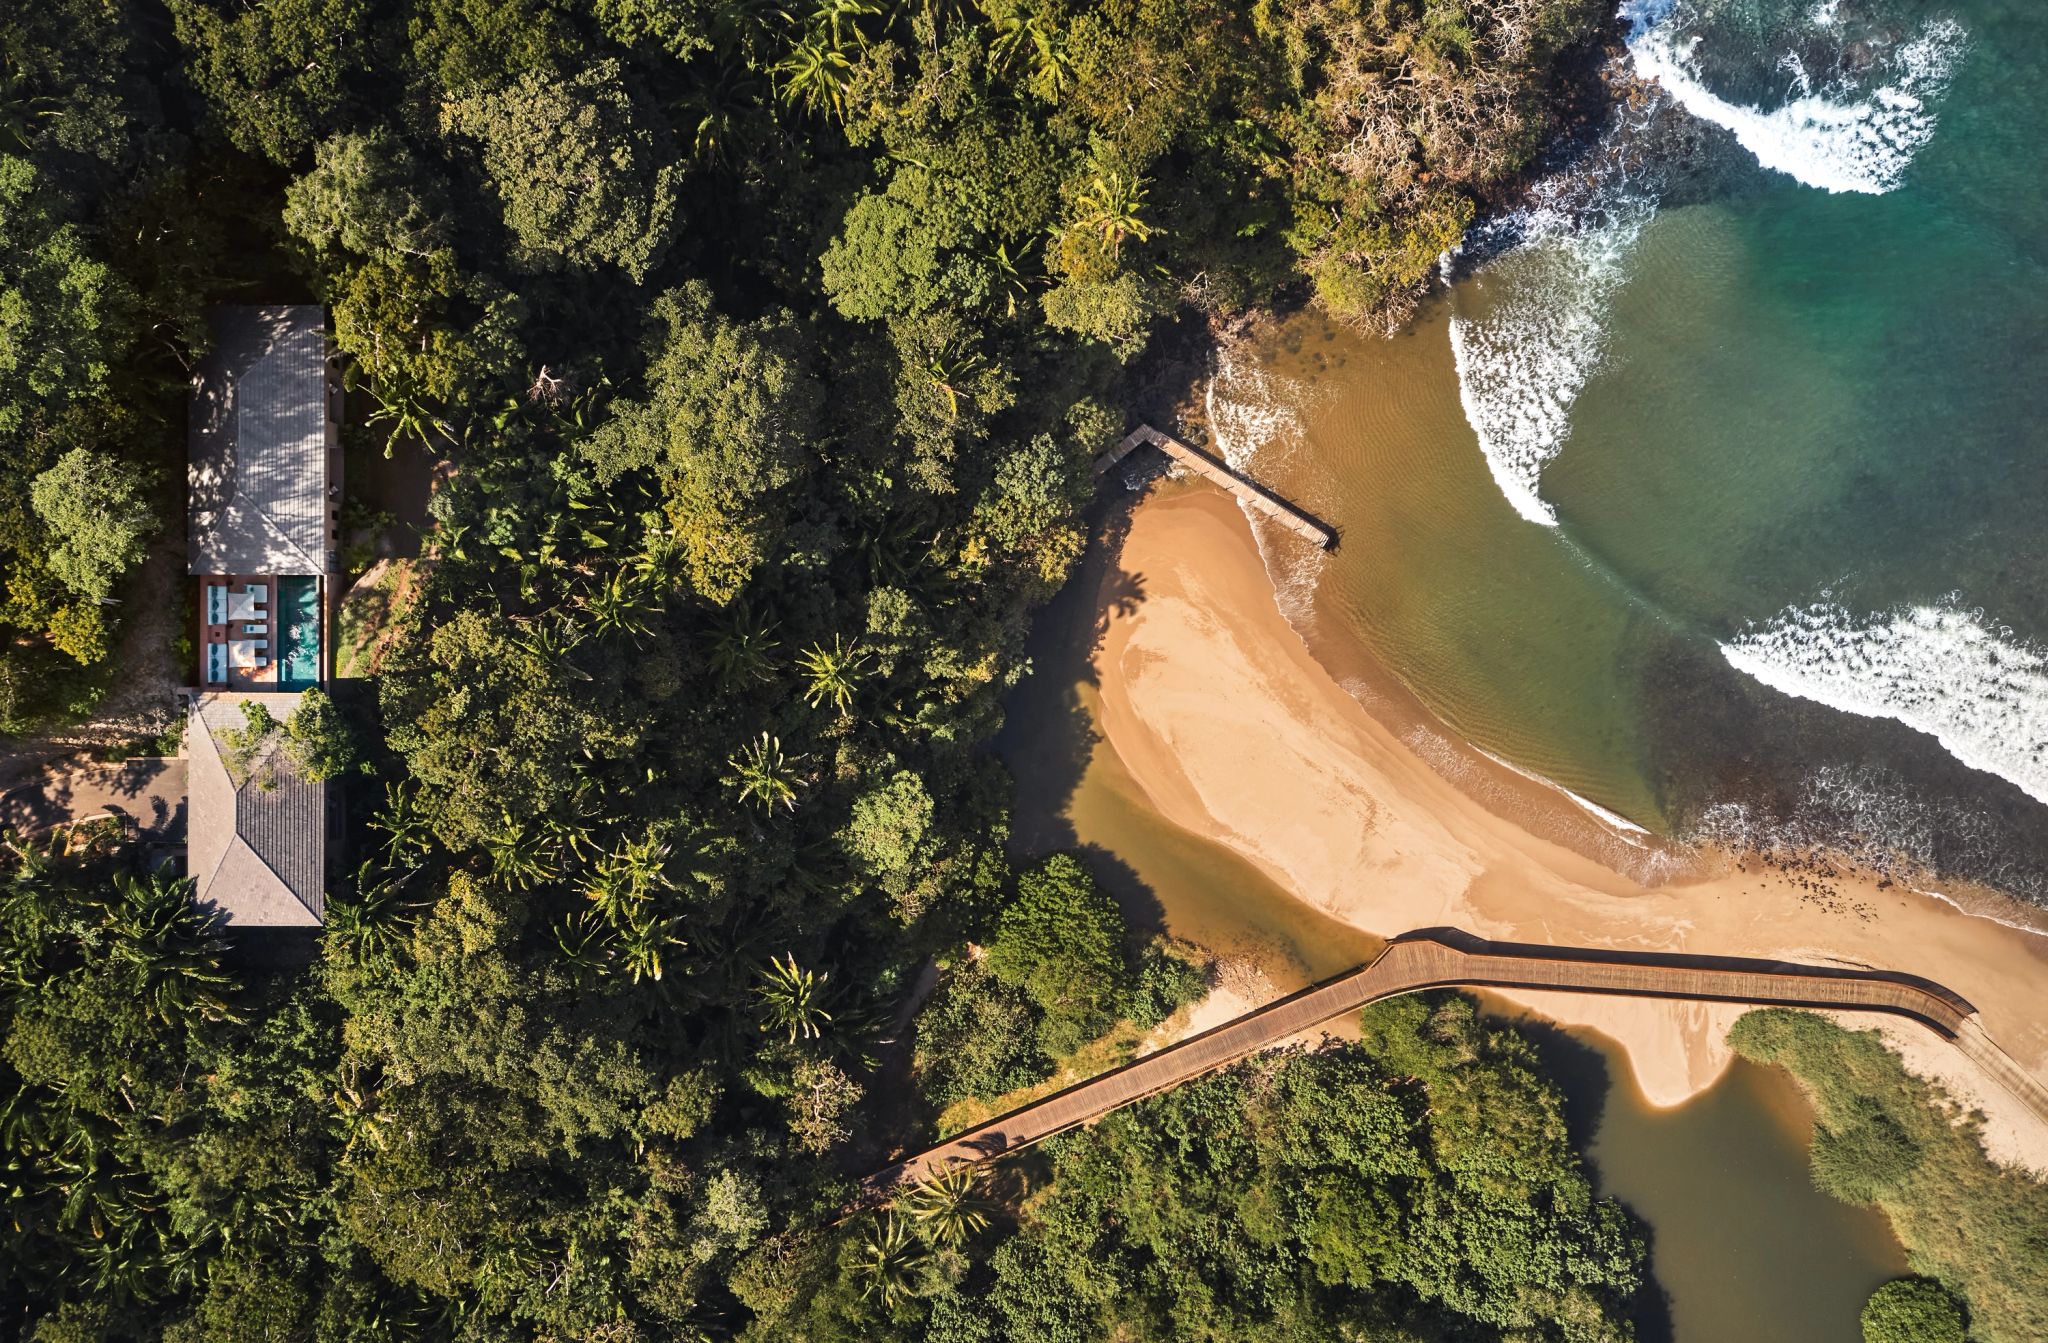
{"x":298,"y":615}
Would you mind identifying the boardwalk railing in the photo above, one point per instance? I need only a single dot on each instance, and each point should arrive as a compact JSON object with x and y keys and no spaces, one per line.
{"x":1446,"y":958}
{"x":1202,"y":464}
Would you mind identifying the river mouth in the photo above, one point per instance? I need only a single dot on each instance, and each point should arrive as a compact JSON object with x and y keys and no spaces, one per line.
{"x":1744,"y":1246}
{"x":1708,"y":484}
{"x":1073,"y":793}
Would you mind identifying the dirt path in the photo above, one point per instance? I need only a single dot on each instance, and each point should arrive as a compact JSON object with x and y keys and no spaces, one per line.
{"x":150,"y":791}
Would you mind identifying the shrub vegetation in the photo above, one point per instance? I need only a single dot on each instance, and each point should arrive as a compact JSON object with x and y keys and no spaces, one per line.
{"x":1415,"y":1186}
{"x":1885,"y":1136}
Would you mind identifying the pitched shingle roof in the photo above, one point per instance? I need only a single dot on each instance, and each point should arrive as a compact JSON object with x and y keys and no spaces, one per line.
{"x":258,"y":444}
{"x":257,"y":848}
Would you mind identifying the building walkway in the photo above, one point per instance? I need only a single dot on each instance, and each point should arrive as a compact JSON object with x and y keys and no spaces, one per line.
{"x":1239,"y":484}
{"x":1446,"y":958}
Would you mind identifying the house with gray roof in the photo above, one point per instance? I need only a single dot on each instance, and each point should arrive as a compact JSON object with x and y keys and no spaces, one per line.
{"x":264,"y":496}
{"x":256,"y":845}
{"x":265,"y":470}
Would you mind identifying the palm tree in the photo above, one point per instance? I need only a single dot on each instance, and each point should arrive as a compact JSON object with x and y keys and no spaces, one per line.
{"x":373,"y":920}
{"x":890,"y":1261}
{"x":837,"y":19}
{"x":518,"y":863}
{"x":1022,"y":33}
{"x":1110,"y":205}
{"x":171,"y":949}
{"x":794,"y":999}
{"x":817,"y":75}
{"x":714,"y":113}
{"x":588,"y":946}
{"x":624,"y":879}
{"x":551,"y":636}
{"x":406,"y":410}
{"x":832,"y":673}
{"x":566,"y":830}
{"x":20,"y":109}
{"x":658,"y":563}
{"x":949,"y":1207}
{"x":762,"y":773}
{"x":1009,"y":276}
{"x":741,"y":651}
{"x":892,"y":550}
{"x":645,"y":862}
{"x":619,"y":605}
{"x":571,"y":413}
{"x":642,"y":940}
{"x":357,"y":1119}
{"x":405,"y":823}
{"x":949,"y":367}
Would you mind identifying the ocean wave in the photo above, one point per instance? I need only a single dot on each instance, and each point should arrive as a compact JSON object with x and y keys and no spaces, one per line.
{"x":1532,"y":331}
{"x":1523,"y":360}
{"x":1842,"y":137}
{"x":1254,"y":412}
{"x":1940,"y":669}
{"x":1871,"y":815}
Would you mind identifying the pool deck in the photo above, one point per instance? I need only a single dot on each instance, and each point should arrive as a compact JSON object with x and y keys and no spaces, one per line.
{"x":228,"y":647}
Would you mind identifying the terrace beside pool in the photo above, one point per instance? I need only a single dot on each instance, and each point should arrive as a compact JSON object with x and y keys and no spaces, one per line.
{"x":265,"y":482}
{"x":260,"y":633}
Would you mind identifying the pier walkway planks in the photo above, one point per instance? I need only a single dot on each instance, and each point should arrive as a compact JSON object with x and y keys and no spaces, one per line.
{"x":1447,"y":958}
{"x":1202,"y":464}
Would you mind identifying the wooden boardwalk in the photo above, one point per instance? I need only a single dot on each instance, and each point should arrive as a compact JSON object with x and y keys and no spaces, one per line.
{"x":1446,"y":958}
{"x":1202,"y":464}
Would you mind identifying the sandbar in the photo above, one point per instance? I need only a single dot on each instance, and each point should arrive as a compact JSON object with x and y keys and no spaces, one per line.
{"x":1233,"y":730}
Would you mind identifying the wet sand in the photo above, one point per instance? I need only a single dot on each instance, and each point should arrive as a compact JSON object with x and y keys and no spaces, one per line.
{"x":1233,"y":731}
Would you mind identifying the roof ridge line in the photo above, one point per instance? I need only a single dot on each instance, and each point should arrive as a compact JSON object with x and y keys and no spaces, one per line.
{"x":257,"y":854}
{"x":283,"y":535}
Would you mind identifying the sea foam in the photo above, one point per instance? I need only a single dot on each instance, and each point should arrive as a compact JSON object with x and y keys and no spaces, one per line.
{"x":1940,"y":669}
{"x":1536,"y":330}
{"x":1257,"y":423}
{"x":1523,"y":361}
{"x":1839,"y":137}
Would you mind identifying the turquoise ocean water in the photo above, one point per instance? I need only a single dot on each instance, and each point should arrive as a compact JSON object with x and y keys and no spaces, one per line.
{"x":1713,"y":487}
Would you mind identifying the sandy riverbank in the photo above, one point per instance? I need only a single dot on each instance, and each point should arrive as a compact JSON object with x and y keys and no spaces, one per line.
{"x":1234,"y":731}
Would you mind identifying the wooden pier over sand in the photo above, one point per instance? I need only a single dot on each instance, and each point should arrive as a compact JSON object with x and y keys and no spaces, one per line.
{"x":1201,"y":463}
{"x":1446,"y":958}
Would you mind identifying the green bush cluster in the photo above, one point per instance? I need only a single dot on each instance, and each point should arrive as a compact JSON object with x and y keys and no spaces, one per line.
{"x":1913,"y":1310}
{"x":1885,"y":1136}
{"x":1060,"y":970}
{"x":1418,"y":1185}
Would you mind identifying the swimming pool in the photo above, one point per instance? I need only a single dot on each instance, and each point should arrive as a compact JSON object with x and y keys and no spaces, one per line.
{"x":298,"y":632}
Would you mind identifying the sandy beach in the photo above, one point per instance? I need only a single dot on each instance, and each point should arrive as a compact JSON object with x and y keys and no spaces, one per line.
{"x":1233,"y":730}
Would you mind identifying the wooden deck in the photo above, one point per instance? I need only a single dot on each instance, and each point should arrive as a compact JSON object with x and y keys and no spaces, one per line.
{"x":1446,"y":958}
{"x":1202,"y":464}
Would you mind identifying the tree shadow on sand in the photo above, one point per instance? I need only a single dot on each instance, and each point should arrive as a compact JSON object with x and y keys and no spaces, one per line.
{"x":1048,"y":735}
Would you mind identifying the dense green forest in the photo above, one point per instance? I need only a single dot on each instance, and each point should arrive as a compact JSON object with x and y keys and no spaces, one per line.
{"x":766,"y":349}
{"x":1417,"y":1185}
